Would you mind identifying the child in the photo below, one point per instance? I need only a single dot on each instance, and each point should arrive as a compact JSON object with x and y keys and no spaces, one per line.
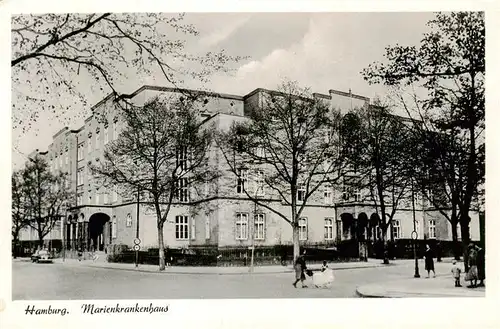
{"x":324,"y":267}
{"x":455,"y":270}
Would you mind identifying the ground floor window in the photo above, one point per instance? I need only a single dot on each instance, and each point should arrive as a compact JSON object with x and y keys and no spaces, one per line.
{"x":432,"y":229}
{"x":259,"y":227}
{"x":207,"y":227}
{"x":396,"y":229}
{"x":328,"y":228}
{"x":241,"y":226}
{"x":303,"y":229}
{"x":181,"y":227}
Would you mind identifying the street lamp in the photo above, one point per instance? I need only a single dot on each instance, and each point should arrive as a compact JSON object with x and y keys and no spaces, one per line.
{"x":137,"y":230}
{"x":414,"y":234}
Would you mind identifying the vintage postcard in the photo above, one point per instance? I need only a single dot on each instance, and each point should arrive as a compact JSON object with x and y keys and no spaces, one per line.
{"x":273,"y":161}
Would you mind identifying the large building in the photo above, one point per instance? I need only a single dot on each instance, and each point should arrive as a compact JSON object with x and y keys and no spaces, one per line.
{"x":101,"y":218}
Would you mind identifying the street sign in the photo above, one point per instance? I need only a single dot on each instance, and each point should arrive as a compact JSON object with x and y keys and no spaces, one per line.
{"x":414,"y":235}
{"x":137,"y":247}
{"x":137,"y":241}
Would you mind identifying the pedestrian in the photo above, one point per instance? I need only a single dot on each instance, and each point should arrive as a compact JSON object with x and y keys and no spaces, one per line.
{"x":480,"y":266}
{"x":80,"y":255}
{"x":472,"y":273}
{"x":429,"y":261}
{"x":455,"y":270}
{"x":300,"y":268}
{"x":324,"y":267}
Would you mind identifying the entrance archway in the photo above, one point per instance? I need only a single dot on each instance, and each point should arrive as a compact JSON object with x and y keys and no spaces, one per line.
{"x":99,"y":231}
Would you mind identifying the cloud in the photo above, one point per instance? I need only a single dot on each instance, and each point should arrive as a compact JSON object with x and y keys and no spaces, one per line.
{"x":231,"y":24}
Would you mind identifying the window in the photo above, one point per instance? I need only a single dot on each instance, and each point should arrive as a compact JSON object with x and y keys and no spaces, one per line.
{"x":357,"y":195}
{"x":61,"y":160}
{"x":97,"y":197}
{"x":301,"y":193}
{"x":259,"y":183}
{"x":396,"y":229}
{"x":242,"y":181}
{"x":79,"y":176}
{"x":328,"y":195}
{"x":181,"y":227}
{"x":459,"y":232}
{"x":207,"y":227}
{"x":241,"y":226}
{"x":303,"y":229}
{"x":80,"y":151}
{"x":113,"y":227}
{"x":207,"y":189}
{"x":90,"y":197}
{"x":97,"y":139}
{"x":66,"y":156}
{"x":128,"y":223}
{"x":259,"y":229}
{"x":328,"y":228}
{"x":182,"y":191}
{"x":79,"y":199}
{"x":105,"y":197}
{"x":89,"y":146}
{"x":432,"y":229}
{"x":182,"y":158}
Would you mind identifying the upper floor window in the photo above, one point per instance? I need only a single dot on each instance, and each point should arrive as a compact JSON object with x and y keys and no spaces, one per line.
{"x":89,"y":146}
{"x":301,"y":193}
{"x":106,"y":135}
{"x":259,"y":183}
{"x":242,"y":181}
{"x":80,"y":151}
{"x":328,"y":195}
{"x":182,"y":191}
{"x":128,"y":223}
{"x":182,"y":158}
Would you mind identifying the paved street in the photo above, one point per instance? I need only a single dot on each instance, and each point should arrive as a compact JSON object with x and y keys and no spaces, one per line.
{"x":60,"y":281}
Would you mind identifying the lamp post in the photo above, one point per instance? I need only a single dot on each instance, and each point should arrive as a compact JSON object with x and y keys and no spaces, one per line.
{"x":414,"y":233}
{"x":137,"y":229}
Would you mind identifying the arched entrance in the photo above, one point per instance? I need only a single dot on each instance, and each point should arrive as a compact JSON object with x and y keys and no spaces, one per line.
{"x":99,"y":231}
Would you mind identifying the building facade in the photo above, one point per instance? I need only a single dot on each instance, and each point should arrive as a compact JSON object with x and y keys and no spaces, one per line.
{"x":221,"y":215}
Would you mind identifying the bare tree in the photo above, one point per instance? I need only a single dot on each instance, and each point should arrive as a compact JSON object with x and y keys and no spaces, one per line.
{"x":289,"y":145}
{"x":46,"y":196}
{"x":163,"y":152}
{"x":50,"y":50}
{"x":19,"y":208}
{"x":450,"y":65}
{"x":381,"y":154}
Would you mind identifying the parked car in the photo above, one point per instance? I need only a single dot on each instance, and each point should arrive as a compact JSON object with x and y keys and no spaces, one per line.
{"x":41,"y":256}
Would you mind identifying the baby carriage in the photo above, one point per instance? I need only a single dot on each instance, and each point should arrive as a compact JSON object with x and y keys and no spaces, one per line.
{"x":321,"y":279}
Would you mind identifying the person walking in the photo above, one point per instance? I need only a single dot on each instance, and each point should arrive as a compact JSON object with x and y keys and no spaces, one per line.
{"x":429,"y":261}
{"x":480,"y":266}
{"x":300,"y":268}
{"x":455,"y":270}
{"x":472,"y":274}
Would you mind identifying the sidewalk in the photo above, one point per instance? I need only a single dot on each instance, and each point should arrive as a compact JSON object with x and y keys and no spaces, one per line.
{"x":214,"y":270}
{"x":440,"y":286}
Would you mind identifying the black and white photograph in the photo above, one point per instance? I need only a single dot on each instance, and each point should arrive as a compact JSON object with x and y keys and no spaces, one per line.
{"x":247,"y":155}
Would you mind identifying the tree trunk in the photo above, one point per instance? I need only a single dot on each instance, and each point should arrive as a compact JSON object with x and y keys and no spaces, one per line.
{"x":464,"y":226}
{"x":456,"y":243}
{"x":161,"y":247}
{"x":15,"y":247}
{"x":296,"y":242}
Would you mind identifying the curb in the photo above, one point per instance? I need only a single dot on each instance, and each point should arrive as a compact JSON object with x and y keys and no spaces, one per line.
{"x":212,"y":273}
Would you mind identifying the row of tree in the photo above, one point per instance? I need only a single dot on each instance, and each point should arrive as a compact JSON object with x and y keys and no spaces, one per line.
{"x":294,"y":144}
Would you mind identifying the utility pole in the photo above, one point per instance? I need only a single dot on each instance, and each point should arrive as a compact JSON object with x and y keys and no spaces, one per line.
{"x":415,"y":233}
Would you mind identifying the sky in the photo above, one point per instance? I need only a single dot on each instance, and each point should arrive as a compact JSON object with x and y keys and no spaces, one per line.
{"x":320,"y":51}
